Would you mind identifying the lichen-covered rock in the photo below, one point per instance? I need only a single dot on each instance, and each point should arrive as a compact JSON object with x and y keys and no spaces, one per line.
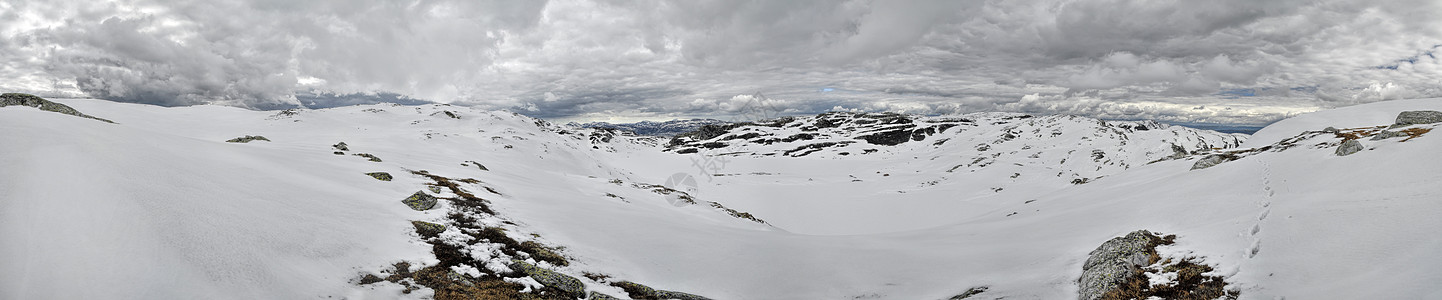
{"x":428,"y":229}
{"x":8,"y":99}
{"x":420,"y":201}
{"x":434,"y":189}
{"x":369,"y":157}
{"x":382,"y":176}
{"x":247,"y":139}
{"x":563,"y":282}
{"x":1115,"y":261}
{"x":600,"y":296}
{"x":640,"y":291}
{"x":1349,"y":147}
{"x":1212,"y":160}
{"x":1418,"y":117}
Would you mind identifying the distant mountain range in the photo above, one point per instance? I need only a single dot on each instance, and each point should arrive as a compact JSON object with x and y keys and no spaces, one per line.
{"x":667,"y":128}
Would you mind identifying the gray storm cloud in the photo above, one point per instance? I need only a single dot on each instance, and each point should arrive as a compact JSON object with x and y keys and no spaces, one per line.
{"x":1236,"y":61}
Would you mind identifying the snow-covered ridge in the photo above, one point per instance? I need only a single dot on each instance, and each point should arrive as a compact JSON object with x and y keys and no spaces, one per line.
{"x":1077,"y":149}
{"x":160,"y":206}
{"x":666,"y":128}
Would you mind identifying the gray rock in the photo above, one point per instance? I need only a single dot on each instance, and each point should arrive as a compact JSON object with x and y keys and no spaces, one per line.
{"x":1212,"y":160}
{"x":9,"y":99}
{"x":428,"y":229}
{"x":549,"y":278}
{"x":1418,"y":117}
{"x":247,"y":139}
{"x":640,"y":291}
{"x":420,"y":201}
{"x":1115,"y":261}
{"x":1330,"y":129}
{"x":1387,"y":134}
{"x":1349,"y":147}
{"x":341,"y":146}
{"x":600,"y":296}
{"x":382,"y":176}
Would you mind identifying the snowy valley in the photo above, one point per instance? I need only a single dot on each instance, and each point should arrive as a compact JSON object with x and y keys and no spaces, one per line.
{"x":448,"y":202}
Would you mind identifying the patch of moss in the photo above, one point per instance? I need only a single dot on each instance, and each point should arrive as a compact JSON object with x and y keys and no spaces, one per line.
{"x":427,"y":229}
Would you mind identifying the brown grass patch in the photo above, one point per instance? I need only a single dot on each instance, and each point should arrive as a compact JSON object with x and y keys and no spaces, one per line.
{"x":1413,"y":133}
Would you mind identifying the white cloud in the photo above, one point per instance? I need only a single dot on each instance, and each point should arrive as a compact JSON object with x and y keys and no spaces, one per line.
{"x":574,"y":58}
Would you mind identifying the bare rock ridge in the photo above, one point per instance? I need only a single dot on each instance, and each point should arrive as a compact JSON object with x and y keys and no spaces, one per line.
{"x":9,"y":99}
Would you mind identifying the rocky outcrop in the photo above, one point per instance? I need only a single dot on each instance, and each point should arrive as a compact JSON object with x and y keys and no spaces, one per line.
{"x":1212,"y":160}
{"x":420,"y":201}
{"x":247,"y":139}
{"x":382,"y":176}
{"x":1349,"y":147}
{"x":1116,"y":261}
{"x":1418,"y":117}
{"x":9,"y":99}
{"x":639,"y":291}
{"x":428,"y":229}
{"x":600,"y":296}
{"x":565,"y":283}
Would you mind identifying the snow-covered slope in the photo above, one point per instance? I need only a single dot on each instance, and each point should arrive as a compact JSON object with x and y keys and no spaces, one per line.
{"x":159,"y":206}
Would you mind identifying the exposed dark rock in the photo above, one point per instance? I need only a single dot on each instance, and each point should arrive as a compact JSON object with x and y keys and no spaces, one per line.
{"x":382,"y":176}
{"x":1212,"y":160}
{"x":369,"y":157}
{"x":639,"y":291}
{"x":247,"y":139}
{"x":687,"y":151}
{"x":1418,"y":117}
{"x":888,"y":138}
{"x":427,"y":229}
{"x":420,"y":201}
{"x":969,"y":292}
{"x":341,"y":146}
{"x":1349,"y":147}
{"x":1387,"y":134}
{"x":565,"y":283}
{"x":600,"y":296}
{"x":8,"y":99}
{"x":478,"y":165}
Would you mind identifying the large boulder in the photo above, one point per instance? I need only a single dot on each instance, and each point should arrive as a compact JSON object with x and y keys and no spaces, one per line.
{"x":420,"y":201}
{"x":1418,"y":117}
{"x":548,"y":278}
{"x":1115,"y":261}
{"x":1349,"y":147}
{"x":8,"y":99}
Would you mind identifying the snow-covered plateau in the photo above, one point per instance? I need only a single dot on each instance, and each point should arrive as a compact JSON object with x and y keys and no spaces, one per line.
{"x":1337,"y":204}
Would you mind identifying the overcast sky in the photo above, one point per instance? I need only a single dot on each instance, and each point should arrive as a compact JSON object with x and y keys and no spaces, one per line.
{"x":1224,"y":61}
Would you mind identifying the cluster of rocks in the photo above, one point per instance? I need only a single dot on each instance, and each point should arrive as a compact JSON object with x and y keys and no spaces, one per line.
{"x":247,"y":139}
